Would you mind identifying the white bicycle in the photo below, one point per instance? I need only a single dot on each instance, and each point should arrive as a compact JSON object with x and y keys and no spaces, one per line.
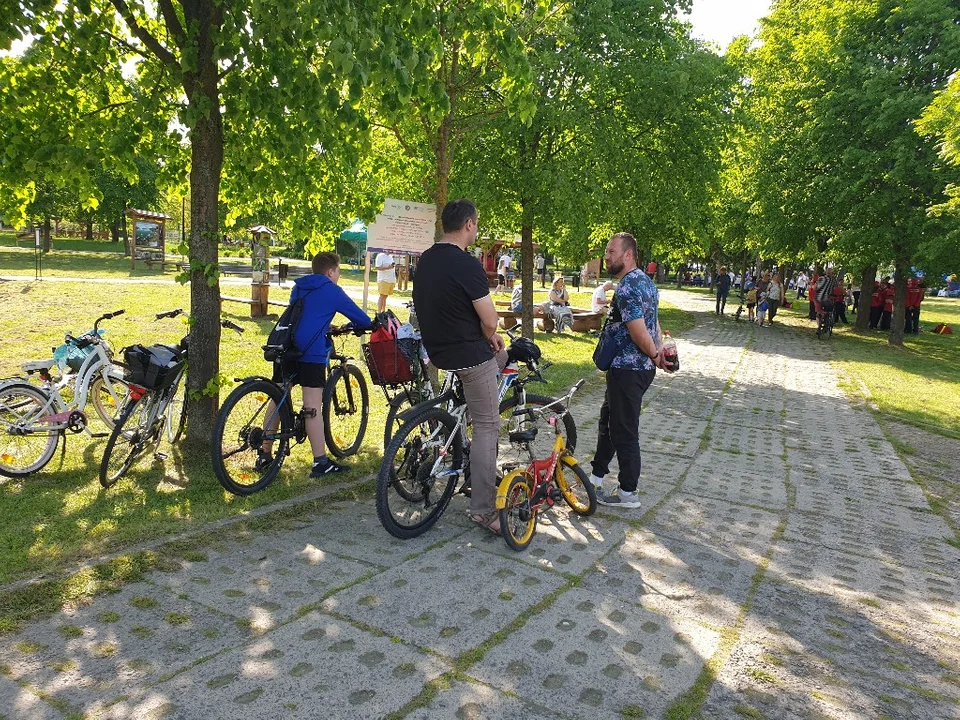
{"x":33,"y":418}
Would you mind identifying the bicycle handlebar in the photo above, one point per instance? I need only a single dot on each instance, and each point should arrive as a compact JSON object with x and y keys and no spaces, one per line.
{"x":105,"y":316}
{"x":336,"y":331}
{"x":231,"y":326}
{"x":169,"y":313}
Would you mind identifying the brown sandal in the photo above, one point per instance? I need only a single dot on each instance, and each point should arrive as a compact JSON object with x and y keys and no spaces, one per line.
{"x":490,"y":521}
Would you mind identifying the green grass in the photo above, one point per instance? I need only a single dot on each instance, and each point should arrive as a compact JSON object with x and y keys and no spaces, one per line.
{"x":60,"y":515}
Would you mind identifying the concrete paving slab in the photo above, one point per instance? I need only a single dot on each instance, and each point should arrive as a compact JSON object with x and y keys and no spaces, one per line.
{"x":738,"y":478}
{"x":669,"y":433}
{"x":449,"y":599}
{"x":591,"y":656}
{"x":563,"y":542}
{"x":879,"y":540}
{"x":315,"y":666}
{"x":88,"y":655}
{"x":267,"y":584}
{"x":18,"y":702}
{"x":675,"y":578}
{"x":476,"y":701}
{"x":757,"y":441}
{"x":878,"y":589}
{"x":855,"y":501}
{"x":744,"y":531}
{"x":352,"y":529}
{"x":804,"y":655}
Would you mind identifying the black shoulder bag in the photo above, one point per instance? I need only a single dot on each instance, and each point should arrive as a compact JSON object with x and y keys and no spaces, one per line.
{"x":608,"y":346}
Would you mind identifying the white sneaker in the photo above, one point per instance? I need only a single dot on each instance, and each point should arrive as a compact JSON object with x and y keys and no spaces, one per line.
{"x":619,"y":499}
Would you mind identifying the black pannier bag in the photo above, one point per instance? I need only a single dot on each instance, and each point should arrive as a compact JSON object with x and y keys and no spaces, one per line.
{"x":152,"y":367}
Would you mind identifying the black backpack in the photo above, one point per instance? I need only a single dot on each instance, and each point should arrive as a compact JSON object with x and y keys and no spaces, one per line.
{"x":280,"y":342}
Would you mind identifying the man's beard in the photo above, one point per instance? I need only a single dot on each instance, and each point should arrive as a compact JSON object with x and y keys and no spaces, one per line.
{"x":615,"y":269}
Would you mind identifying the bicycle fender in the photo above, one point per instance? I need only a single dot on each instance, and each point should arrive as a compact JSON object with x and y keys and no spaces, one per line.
{"x":505,"y":483}
{"x":250,"y":378}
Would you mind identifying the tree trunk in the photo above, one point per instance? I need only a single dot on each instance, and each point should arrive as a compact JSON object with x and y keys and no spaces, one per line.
{"x":89,"y":231}
{"x":206,"y":154}
{"x":526,"y":272}
{"x":46,"y":241}
{"x":867,"y":278}
{"x":114,"y":232}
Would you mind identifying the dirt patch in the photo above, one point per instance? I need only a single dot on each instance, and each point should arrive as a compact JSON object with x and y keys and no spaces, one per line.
{"x":934,"y":462}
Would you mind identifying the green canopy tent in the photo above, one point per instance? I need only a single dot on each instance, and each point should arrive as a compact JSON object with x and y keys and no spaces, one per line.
{"x":352,"y":243}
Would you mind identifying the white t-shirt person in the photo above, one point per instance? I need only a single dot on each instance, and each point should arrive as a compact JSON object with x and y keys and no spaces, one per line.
{"x":389,"y":275}
{"x":600,"y":303}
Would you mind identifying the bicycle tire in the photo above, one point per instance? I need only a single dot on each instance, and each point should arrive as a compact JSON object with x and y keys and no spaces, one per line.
{"x":175,"y":420}
{"x":238,"y":437}
{"x":573,"y":489}
{"x":344,"y":423}
{"x":23,"y":450}
{"x":109,"y":405}
{"x":518,"y":517}
{"x":128,"y":441}
{"x":543,"y":446}
{"x":410,"y":496}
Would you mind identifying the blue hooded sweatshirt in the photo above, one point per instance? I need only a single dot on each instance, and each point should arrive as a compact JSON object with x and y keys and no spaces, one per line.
{"x":322,"y":299}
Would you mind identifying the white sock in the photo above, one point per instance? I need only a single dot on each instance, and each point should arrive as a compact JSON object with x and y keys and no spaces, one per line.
{"x":597,"y":481}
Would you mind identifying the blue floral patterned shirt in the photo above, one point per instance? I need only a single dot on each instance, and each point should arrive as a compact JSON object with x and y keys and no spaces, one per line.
{"x":636,"y":297}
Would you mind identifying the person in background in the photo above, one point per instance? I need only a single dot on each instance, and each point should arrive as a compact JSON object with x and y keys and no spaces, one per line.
{"x":855,"y":296}
{"x":751,"y":300}
{"x":600,"y":302}
{"x":802,"y":281}
{"x":400,"y":265}
{"x":723,"y":289}
{"x":914,"y":298}
{"x":762,"y":307}
{"x":775,"y":295}
{"x":652,"y":270}
{"x":876,"y":305}
{"x":386,"y":279}
{"x":887,"y":314}
{"x":839,"y":304}
{"x":502,"y":264}
{"x":812,"y":296}
{"x":542,"y":269}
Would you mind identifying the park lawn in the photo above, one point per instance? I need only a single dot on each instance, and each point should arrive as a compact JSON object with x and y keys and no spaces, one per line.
{"x":61,"y":516}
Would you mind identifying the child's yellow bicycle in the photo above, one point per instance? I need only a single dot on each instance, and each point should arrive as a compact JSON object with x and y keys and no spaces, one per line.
{"x":524,"y":491}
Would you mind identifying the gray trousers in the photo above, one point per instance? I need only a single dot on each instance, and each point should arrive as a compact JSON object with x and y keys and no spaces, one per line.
{"x":480,"y":390}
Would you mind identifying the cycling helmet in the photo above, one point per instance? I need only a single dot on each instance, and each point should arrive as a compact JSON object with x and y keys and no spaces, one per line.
{"x":523,"y":350}
{"x":750,"y":285}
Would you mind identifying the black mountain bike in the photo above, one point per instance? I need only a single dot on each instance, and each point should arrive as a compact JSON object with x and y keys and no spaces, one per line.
{"x":257,"y":423}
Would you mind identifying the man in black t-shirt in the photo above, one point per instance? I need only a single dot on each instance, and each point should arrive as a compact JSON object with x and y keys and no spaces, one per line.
{"x":458,"y":323}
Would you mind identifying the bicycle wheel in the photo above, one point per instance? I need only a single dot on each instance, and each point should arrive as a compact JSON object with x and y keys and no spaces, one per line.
{"x":346,"y":408}
{"x":109,"y":393}
{"x":175,"y":421}
{"x":518,"y":517}
{"x":133,"y":435}
{"x":575,"y":486}
{"x":236,"y":449}
{"x":419,"y":473}
{"x":543,"y":445}
{"x":25,"y":444}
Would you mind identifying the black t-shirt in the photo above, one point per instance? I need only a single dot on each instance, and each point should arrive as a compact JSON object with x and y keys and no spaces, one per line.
{"x":448,"y":281}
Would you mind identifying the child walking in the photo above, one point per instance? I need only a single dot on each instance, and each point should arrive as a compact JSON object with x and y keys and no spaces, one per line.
{"x":762,"y":309}
{"x":751,"y":299}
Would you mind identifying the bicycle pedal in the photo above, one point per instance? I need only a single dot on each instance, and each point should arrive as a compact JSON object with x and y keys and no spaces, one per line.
{"x":160,"y":456}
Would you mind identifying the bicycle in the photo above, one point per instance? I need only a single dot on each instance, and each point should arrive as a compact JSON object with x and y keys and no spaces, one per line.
{"x":259,"y":414}
{"x":429,"y":454}
{"x":523,"y":492}
{"x":157,"y":402}
{"x":825,"y":320}
{"x":34,"y":418}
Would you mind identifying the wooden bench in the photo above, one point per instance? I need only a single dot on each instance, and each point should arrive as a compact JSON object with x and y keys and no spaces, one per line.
{"x":509,"y":318}
{"x":586,"y":320}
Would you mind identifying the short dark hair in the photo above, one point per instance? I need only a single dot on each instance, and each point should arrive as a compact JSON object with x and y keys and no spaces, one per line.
{"x":627,"y":241}
{"x":323,"y":262}
{"x":455,"y":215}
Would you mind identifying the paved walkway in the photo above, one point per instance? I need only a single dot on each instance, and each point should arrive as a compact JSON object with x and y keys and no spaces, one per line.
{"x":782,"y":553}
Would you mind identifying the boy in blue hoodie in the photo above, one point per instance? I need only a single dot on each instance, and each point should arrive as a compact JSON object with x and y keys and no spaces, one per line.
{"x":322,"y":299}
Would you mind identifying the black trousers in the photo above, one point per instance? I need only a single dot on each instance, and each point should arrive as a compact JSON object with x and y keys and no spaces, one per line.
{"x":911,"y":322}
{"x":875,"y":313}
{"x":721,"y":301}
{"x":620,"y":425}
{"x":885,"y":317}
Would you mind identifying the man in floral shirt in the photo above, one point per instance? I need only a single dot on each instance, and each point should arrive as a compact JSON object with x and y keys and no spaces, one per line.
{"x":637,"y":330}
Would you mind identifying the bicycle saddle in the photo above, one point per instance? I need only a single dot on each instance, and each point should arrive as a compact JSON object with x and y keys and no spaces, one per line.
{"x":524,"y":436}
{"x":35,"y":365}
